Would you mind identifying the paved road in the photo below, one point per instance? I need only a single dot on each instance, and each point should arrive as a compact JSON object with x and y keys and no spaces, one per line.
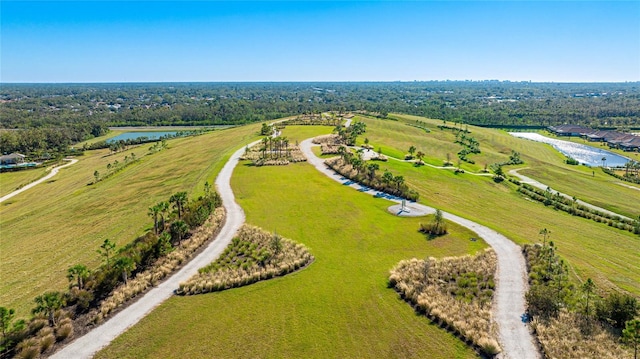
{"x":89,"y":344}
{"x":54,"y":172}
{"x":509,"y":305}
{"x":534,"y":183}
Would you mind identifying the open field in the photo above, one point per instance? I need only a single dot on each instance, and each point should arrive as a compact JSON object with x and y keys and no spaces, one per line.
{"x":339,"y":306}
{"x":593,"y":250}
{"x":62,"y":222}
{"x":600,"y":189}
{"x":11,"y":181}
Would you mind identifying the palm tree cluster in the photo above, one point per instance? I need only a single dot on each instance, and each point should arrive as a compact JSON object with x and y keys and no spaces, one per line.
{"x":273,"y":151}
{"x":353,"y":167}
{"x":173,"y":221}
{"x":348,"y":135}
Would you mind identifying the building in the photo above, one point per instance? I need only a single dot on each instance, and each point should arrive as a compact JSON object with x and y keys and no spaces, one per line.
{"x":12,"y":159}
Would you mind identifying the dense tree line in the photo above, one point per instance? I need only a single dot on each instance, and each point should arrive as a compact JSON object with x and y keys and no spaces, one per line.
{"x":80,"y":111}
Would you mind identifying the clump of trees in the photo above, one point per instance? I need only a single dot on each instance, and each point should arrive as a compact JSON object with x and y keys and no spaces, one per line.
{"x":252,"y":256}
{"x":435,"y":228}
{"x":273,"y":151}
{"x":90,"y":293}
{"x":589,"y":324}
{"x":455,"y":292}
{"x":353,"y":167}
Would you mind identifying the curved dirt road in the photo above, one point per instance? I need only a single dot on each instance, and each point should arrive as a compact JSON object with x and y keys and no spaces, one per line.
{"x":509,"y":304}
{"x":54,"y":172}
{"x":89,"y":344}
{"x":534,"y":183}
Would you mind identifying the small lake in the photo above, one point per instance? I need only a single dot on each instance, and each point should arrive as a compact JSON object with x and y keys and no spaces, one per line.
{"x":133,"y":135}
{"x":588,"y":155}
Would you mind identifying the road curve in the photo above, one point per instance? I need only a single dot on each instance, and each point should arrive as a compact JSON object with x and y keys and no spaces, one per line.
{"x":54,"y":172}
{"x":534,"y":183}
{"x":509,"y":304}
{"x":99,"y":337}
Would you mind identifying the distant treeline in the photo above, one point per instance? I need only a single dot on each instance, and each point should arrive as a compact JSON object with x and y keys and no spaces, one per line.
{"x":80,"y":111}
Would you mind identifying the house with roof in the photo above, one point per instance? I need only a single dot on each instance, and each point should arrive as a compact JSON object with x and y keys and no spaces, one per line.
{"x":12,"y":159}
{"x":631,"y":145}
{"x":569,"y":130}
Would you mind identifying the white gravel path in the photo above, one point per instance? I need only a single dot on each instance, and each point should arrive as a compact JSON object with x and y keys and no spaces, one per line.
{"x":537,"y":184}
{"x":54,"y":172}
{"x":509,"y":304}
{"x":89,"y":344}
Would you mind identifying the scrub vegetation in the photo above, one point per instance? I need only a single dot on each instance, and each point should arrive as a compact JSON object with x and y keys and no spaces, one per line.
{"x":455,"y":292}
{"x":252,"y":256}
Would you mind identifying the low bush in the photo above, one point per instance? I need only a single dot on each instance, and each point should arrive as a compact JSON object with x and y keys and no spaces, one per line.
{"x":455,"y":292}
{"x":252,"y":256}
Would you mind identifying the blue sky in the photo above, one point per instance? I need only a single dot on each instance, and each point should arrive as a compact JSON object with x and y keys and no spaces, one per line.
{"x":105,"y":41}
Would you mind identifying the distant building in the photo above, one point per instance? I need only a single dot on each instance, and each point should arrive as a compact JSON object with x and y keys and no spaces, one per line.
{"x":570,"y":130}
{"x":12,"y":159}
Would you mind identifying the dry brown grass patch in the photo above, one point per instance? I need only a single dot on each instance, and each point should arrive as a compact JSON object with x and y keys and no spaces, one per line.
{"x":252,"y":256}
{"x":455,"y":292}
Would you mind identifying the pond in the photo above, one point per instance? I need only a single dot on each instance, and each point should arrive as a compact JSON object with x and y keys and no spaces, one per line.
{"x":133,"y":135}
{"x":587,"y":155}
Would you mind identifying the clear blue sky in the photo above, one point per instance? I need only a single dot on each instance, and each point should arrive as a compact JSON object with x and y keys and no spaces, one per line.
{"x":105,"y":41}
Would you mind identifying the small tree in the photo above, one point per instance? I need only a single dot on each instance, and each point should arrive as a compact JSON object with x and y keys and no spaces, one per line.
{"x":6,"y":317}
{"x":276,"y":243}
{"x":96,"y":175}
{"x":419,"y":156}
{"x":154,"y":212}
{"x":78,"y":273}
{"x":545,"y":233}
{"x":105,"y":250}
{"x":48,"y":303}
{"x":631,"y":335}
{"x":125,"y":265}
{"x":179,"y":200}
{"x":588,"y":288}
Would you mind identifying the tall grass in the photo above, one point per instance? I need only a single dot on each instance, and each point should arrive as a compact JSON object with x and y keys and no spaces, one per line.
{"x":562,"y":337}
{"x":455,"y":292}
{"x":253,"y":255}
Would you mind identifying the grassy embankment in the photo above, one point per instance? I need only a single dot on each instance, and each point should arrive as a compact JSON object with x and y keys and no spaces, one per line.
{"x":339,"y":306}
{"x":11,"y":181}
{"x":593,"y":250}
{"x":62,"y":222}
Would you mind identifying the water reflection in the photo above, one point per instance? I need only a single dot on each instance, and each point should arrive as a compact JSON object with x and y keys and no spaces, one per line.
{"x":584,"y":154}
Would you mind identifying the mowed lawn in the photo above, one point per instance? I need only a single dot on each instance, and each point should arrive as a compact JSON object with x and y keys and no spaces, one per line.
{"x":608,"y":256}
{"x":338,"y":307}
{"x":11,"y":181}
{"x":63,"y":221}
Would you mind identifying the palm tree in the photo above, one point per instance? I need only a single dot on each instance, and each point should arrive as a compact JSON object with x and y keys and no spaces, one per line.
{"x":78,"y":272}
{"x":604,"y":160}
{"x":126,"y":265}
{"x":179,"y":200}
{"x":399,"y":181}
{"x":164,"y":208}
{"x":179,"y":229}
{"x":154,"y":212}
{"x":588,"y":287}
{"x":372,"y":167}
{"x":48,"y":303}
{"x":387,"y":177}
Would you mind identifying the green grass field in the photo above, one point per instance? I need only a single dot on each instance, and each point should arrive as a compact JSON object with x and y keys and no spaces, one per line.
{"x":593,"y":250}
{"x":11,"y":181}
{"x":339,"y":306}
{"x":62,"y":222}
